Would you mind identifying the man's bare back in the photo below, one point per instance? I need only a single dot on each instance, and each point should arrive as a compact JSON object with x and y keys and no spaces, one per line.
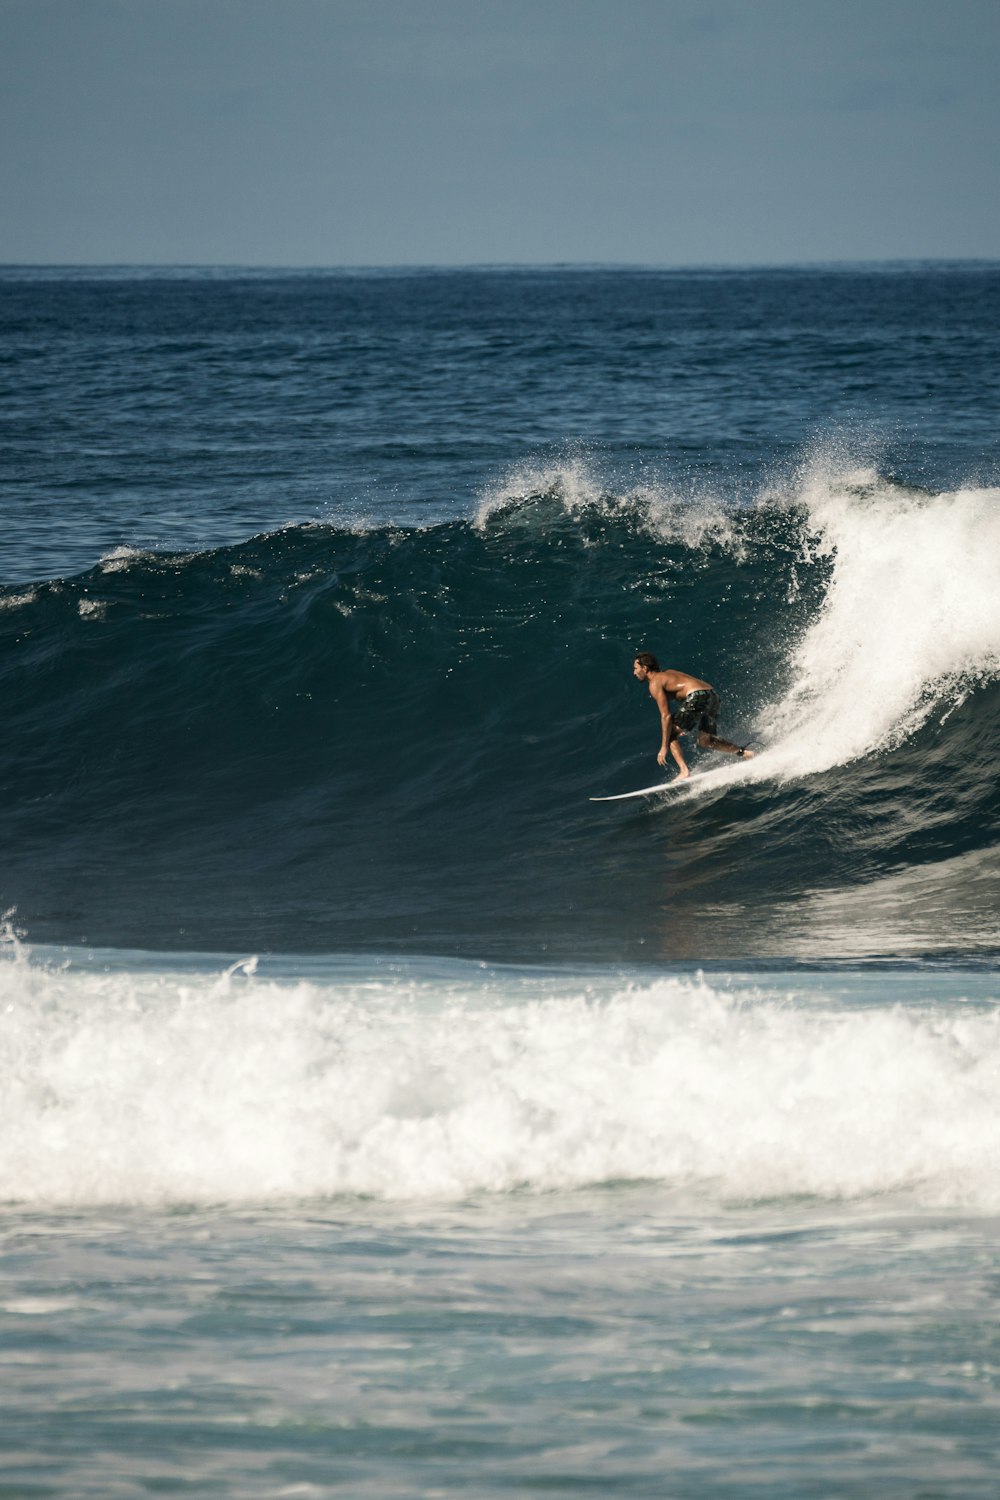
{"x":699,"y":706}
{"x":678,"y":684}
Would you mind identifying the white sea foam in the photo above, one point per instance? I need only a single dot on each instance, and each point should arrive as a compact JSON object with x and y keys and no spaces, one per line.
{"x":18,"y":601}
{"x":909,"y":626}
{"x":911,"y":618}
{"x":93,"y":609}
{"x":121,"y":559}
{"x":146,"y":1087}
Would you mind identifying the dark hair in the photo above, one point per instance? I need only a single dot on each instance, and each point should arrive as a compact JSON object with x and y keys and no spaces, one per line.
{"x":648,"y":660}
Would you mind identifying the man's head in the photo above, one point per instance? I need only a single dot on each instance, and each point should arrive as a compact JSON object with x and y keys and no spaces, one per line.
{"x":645,"y":662}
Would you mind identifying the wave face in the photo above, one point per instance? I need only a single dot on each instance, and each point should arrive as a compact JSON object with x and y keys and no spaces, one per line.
{"x":327,"y":739}
{"x":238,"y":1088}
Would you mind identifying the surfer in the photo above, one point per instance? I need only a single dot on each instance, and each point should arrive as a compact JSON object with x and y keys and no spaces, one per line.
{"x":698,"y":704}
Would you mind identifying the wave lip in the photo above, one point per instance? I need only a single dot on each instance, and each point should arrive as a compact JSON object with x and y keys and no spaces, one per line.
{"x":170,"y":1088}
{"x":909,"y":625}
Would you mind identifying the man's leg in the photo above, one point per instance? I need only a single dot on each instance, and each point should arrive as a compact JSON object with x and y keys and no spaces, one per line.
{"x":712,"y":742}
{"x":678,"y":754}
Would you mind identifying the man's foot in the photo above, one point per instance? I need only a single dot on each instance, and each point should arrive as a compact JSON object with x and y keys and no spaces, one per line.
{"x":683,"y":775}
{"x":745,"y":753}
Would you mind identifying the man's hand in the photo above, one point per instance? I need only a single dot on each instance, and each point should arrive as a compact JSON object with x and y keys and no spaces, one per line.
{"x":661,"y":759}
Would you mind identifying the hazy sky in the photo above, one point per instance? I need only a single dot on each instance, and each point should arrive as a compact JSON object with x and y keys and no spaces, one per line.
{"x":369,"y":132}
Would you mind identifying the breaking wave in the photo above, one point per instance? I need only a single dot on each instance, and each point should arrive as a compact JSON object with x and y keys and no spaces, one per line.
{"x":387,"y":738}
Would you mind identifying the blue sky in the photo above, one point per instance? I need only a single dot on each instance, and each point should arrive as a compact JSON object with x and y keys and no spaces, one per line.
{"x":386,"y":132}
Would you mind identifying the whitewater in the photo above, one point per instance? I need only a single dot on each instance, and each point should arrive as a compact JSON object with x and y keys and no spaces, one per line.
{"x":202,"y":1087}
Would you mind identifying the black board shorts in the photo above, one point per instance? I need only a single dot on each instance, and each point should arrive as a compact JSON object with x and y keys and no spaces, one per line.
{"x":701,"y":708}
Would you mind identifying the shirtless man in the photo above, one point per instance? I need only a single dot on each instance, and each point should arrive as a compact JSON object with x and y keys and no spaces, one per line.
{"x":698,"y":704}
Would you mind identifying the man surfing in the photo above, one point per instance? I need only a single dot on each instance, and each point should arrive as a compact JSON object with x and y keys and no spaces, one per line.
{"x":698,"y":704}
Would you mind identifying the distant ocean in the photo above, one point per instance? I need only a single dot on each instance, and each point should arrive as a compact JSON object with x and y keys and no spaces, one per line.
{"x":379,"y":1115}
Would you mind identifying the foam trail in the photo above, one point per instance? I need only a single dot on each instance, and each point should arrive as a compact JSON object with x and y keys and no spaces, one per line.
{"x":152,"y":1088}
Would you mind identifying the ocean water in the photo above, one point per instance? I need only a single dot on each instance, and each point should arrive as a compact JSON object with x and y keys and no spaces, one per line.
{"x":380,"y":1115}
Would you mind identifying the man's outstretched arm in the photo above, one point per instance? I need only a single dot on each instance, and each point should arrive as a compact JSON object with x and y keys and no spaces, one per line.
{"x":670,"y":739}
{"x":666,"y":720}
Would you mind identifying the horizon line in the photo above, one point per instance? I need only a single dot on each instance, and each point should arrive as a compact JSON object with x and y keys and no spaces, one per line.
{"x":430,"y":267}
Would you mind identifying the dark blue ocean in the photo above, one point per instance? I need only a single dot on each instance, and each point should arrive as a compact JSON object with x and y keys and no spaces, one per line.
{"x":380,"y":1115}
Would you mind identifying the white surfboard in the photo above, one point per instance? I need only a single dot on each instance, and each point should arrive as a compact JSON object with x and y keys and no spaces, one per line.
{"x":698,"y":781}
{"x":644,"y":791}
